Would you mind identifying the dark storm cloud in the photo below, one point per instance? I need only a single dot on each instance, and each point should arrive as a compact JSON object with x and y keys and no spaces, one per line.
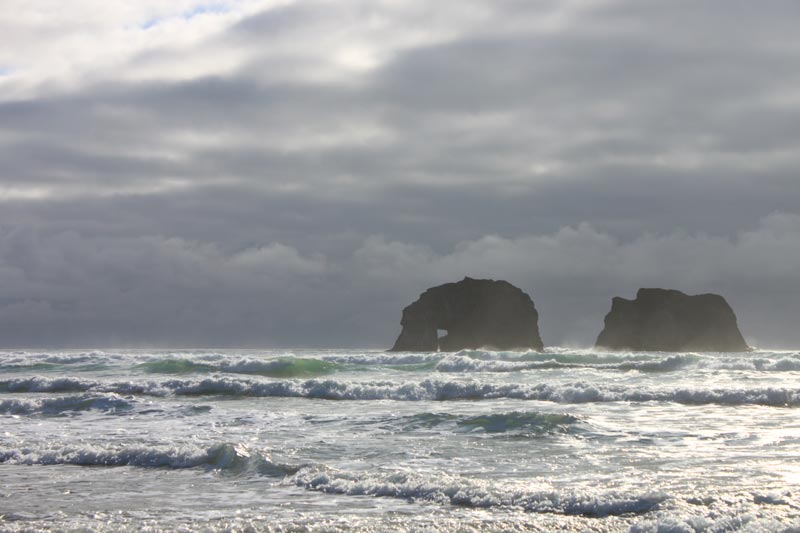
{"x":307,"y":192}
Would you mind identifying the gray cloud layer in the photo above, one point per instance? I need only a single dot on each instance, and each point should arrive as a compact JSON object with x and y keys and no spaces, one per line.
{"x":295,"y":173}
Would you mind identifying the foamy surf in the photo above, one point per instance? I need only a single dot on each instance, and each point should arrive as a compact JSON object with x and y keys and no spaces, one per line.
{"x":425,"y":390}
{"x":465,"y":493}
{"x":440,"y":489}
{"x":466,"y":361}
{"x":110,"y":403}
{"x":222,"y":456}
{"x":563,"y":440}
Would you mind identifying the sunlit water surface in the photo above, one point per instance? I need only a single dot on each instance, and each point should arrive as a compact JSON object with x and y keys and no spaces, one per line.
{"x":327,"y":440}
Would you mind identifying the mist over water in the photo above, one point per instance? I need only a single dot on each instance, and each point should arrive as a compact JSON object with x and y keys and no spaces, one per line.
{"x":564,"y":440}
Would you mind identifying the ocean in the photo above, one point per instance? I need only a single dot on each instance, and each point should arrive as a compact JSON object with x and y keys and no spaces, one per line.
{"x":330,"y":440}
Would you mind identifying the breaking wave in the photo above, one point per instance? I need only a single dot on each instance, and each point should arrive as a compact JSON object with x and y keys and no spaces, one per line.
{"x":465,"y":361}
{"x":434,"y":487}
{"x":39,"y":384}
{"x":386,"y":359}
{"x":440,"y":489}
{"x":225,"y":456}
{"x":27,"y":367}
{"x":465,"y":493}
{"x":429,"y":389}
{"x":465,"y":364}
{"x":284,"y":367}
{"x":59,"y":358}
{"x":110,"y":403}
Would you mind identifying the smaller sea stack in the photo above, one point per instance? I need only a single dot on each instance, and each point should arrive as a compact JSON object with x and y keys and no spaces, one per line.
{"x":473,"y":313}
{"x":671,"y":321}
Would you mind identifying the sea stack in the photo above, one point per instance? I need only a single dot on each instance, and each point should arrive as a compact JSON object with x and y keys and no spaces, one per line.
{"x":472,"y":313}
{"x":671,"y":321}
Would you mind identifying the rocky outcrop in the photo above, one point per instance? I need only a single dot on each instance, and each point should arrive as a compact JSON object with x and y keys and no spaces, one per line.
{"x":668,"y":320}
{"x":474,"y":313}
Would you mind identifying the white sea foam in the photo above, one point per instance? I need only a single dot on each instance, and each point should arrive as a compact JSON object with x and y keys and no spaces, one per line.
{"x":740,"y":511}
{"x":740,"y":522}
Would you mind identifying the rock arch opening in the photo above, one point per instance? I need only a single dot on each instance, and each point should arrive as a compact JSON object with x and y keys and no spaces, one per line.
{"x":472,"y":313}
{"x":441,"y":334}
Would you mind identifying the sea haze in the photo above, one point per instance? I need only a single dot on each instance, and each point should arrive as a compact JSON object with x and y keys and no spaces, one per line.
{"x":564,"y":440}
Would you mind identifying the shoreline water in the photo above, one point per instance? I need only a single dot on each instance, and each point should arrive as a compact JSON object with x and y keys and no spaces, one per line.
{"x":326,"y":440}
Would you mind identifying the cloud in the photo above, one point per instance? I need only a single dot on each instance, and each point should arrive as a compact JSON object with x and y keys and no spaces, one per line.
{"x":103,"y":290}
{"x":352,"y":153}
{"x":573,"y":273}
{"x":157,"y":290}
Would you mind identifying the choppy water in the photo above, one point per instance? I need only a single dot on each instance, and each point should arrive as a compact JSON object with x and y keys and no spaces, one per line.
{"x":326,"y":440}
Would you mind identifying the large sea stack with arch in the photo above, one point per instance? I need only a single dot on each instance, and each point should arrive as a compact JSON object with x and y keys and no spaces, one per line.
{"x":472,"y":313}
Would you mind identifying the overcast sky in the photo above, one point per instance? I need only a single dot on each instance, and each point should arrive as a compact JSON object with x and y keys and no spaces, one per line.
{"x":293,"y":173}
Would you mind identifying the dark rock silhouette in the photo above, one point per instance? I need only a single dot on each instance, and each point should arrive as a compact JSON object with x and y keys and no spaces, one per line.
{"x":669,"y":320}
{"x":476,"y":313}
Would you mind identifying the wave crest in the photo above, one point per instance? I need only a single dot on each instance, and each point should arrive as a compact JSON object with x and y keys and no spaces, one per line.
{"x":283,"y":367}
{"x":110,"y":403}
{"x":465,"y":493}
{"x":235,"y":458}
{"x":425,"y":390}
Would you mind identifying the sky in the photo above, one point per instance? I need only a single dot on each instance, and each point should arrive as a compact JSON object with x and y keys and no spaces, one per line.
{"x":278,"y":173}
